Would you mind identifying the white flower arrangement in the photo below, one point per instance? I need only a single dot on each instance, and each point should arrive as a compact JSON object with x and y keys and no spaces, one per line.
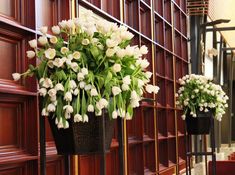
{"x":198,"y":93}
{"x":88,"y":65}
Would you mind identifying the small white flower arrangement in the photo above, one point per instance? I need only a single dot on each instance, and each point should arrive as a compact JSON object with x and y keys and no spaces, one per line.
{"x":198,"y":93}
{"x":86,"y":66}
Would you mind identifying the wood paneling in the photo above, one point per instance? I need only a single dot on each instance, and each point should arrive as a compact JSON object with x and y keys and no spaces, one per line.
{"x":10,"y":120}
{"x":8,"y":57}
{"x":10,"y":8}
{"x":55,"y":166}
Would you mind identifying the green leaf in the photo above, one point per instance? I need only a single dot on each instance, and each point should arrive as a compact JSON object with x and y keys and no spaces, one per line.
{"x":59,"y":107}
{"x":94,"y":51}
{"x":130,"y":110}
{"x":108,"y":78}
{"x":40,"y":53}
{"x":41,"y":68}
{"x":84,"y":106}
{"x":31,"y":67}
{"x":66,"y":86}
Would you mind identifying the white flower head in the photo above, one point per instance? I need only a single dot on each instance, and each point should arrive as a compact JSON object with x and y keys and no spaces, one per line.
{"x":64,"y":50}
{"x":116,"y":90}
{"x":84,"y":71}
{"x":47,"y":83}
{"x":43,"y":30}
{"x":134,"y":95}
{"x":183,"y":117}
{"x":82,"y":84}
{"x":58,"y":62}
{"x":103,"y":103}
{"x":68,"y":96}
{"x":30,"y":54}
{"x":33,"y":43}
{"x":85,"y":42}
{"x":121,"y":53}
{"x":111,"y":43}
{"x":44,"y":112}
{"x":51,"y":108}
{"x":50,"y":53}
{"x":76,"y":92}
{"x":94,"y":92}
{"x":77,"y":118}
{"x":55,"y":30}
{"x":68,"y":109}
{"x":88,"y":87}
{"x":59,"y":87}
{"x":110,"y":52}
{"x":80,"y":76}
{"x":52,"y":92}
{"x":85,"y":118}
{"x":127,"y":80}
{"x":42,"y":92}
{"x":53,"y":40}
{"x":72,"y":84}
{"x":116,"y":67}
{"x":143,"y":50}
{"x":149,"y":88}
{"x":148,"y":74}
{"x":76,"y":55}
{"x":74,"y":66}
{"x":114,"y":114}
{"x":63,"y":24}
{"x":42,"y":40}
{"x":125,"y":87}
{"x":90,"y":108}
{"x":16,"y":76}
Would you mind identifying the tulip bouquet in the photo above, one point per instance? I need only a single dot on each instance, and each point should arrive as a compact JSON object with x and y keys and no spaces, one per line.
{"x":88,"y":65}
{"x":198,"y":93}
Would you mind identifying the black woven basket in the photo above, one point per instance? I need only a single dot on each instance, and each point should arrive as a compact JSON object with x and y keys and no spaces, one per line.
{"x":201,"y":124}
{"x":82,"y":138}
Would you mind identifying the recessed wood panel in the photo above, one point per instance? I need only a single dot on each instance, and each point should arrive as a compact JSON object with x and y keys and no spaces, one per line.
{"x":9,"y":121}
{"x":8,"y":57}
{"x":9,"y":8}
{"x":47,"y":13}
{"x":86,"y":162}
{"x":55,"y":167}
{"x":15,"y":171}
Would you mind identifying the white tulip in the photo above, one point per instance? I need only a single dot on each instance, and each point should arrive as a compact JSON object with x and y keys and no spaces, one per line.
{"x":44,"y":112}
{"x":68,"y":109}
{"x":85,"y":118}
{"x":128,"y":116}
{"x":56,"y":30}
{"x":30,"y":54}
{"x":63,"y":24}
{"x":148,"y":74}
{"x":103,"y":102}
{"x":43,"y":30}
{"x":80,"y":76}
{"x":33,"y":43}
{"x":94,"y":92}
{"x":52,"y":92}
{"x":67,"y":115}
{"x":127,"y":35}
{"x":53,"y":40}
{"x":76,"y":55}
{"x":84,"y":71}
{"x":74,"y":66}
{"x":130,"y":50}
{"x":135,"y":103}
{"x":50,"y":53}
{"x":51,"y":108}
{"x":114,"y":114}
{"x":68,"y":96}
{"x":121,"y":113}
{"x":134,"y":95}
{"x":149,"y":88}
{"x":183,"y":117}
{"x":16,"y":76}
{"x":155,"y":89}
{"x":127,"y":80}
{"x":82,"y":85}
{"x":140,"y":83}
{"x":77,"y":118}
{"x":64,"y":50}
{"x":121,"y":53}
{"x":59,"y":87}
{"x":85,"y":42}
{"x":70,"y":24}
{"x":99,"y":113}
{"x":116,"y":68}
{"x":50,"y":64}
{"x":42,"y":92}
{"x":58,"y":62}
{"x":66,"y":125}
{"x":143,"y":50}
{"x":72,"y":84}
{"x":88,"y":87}
{"x":47,"y":83}
{"x":42,"y":40}
{"x":110,"y":52}
{"x":76,"y":92}
{"x":125,"y":87}
{"x":111,"y":43}
{"x":143,"y":63}
{"x":90,"y":108}
{"x":116,"y":90}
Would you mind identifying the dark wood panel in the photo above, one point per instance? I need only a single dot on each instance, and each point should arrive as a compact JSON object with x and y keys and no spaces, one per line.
{"x":9,"y":56}
{"x":85,"y":164}
{"x":10,"y":8}
{"x":10,"y":121}
{"x":55,"y":166}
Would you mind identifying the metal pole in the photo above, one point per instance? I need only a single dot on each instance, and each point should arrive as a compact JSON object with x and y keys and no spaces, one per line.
{"x":121,"y":147}
{"x":230,"y":100}
{"x":42,"y":142}
{"x":213,"y":147}
{"x":103,"y":155}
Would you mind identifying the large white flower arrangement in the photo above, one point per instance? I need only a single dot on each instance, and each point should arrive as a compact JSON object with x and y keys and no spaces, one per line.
{"x":88,"y":65}
{"x":198,"y":93}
